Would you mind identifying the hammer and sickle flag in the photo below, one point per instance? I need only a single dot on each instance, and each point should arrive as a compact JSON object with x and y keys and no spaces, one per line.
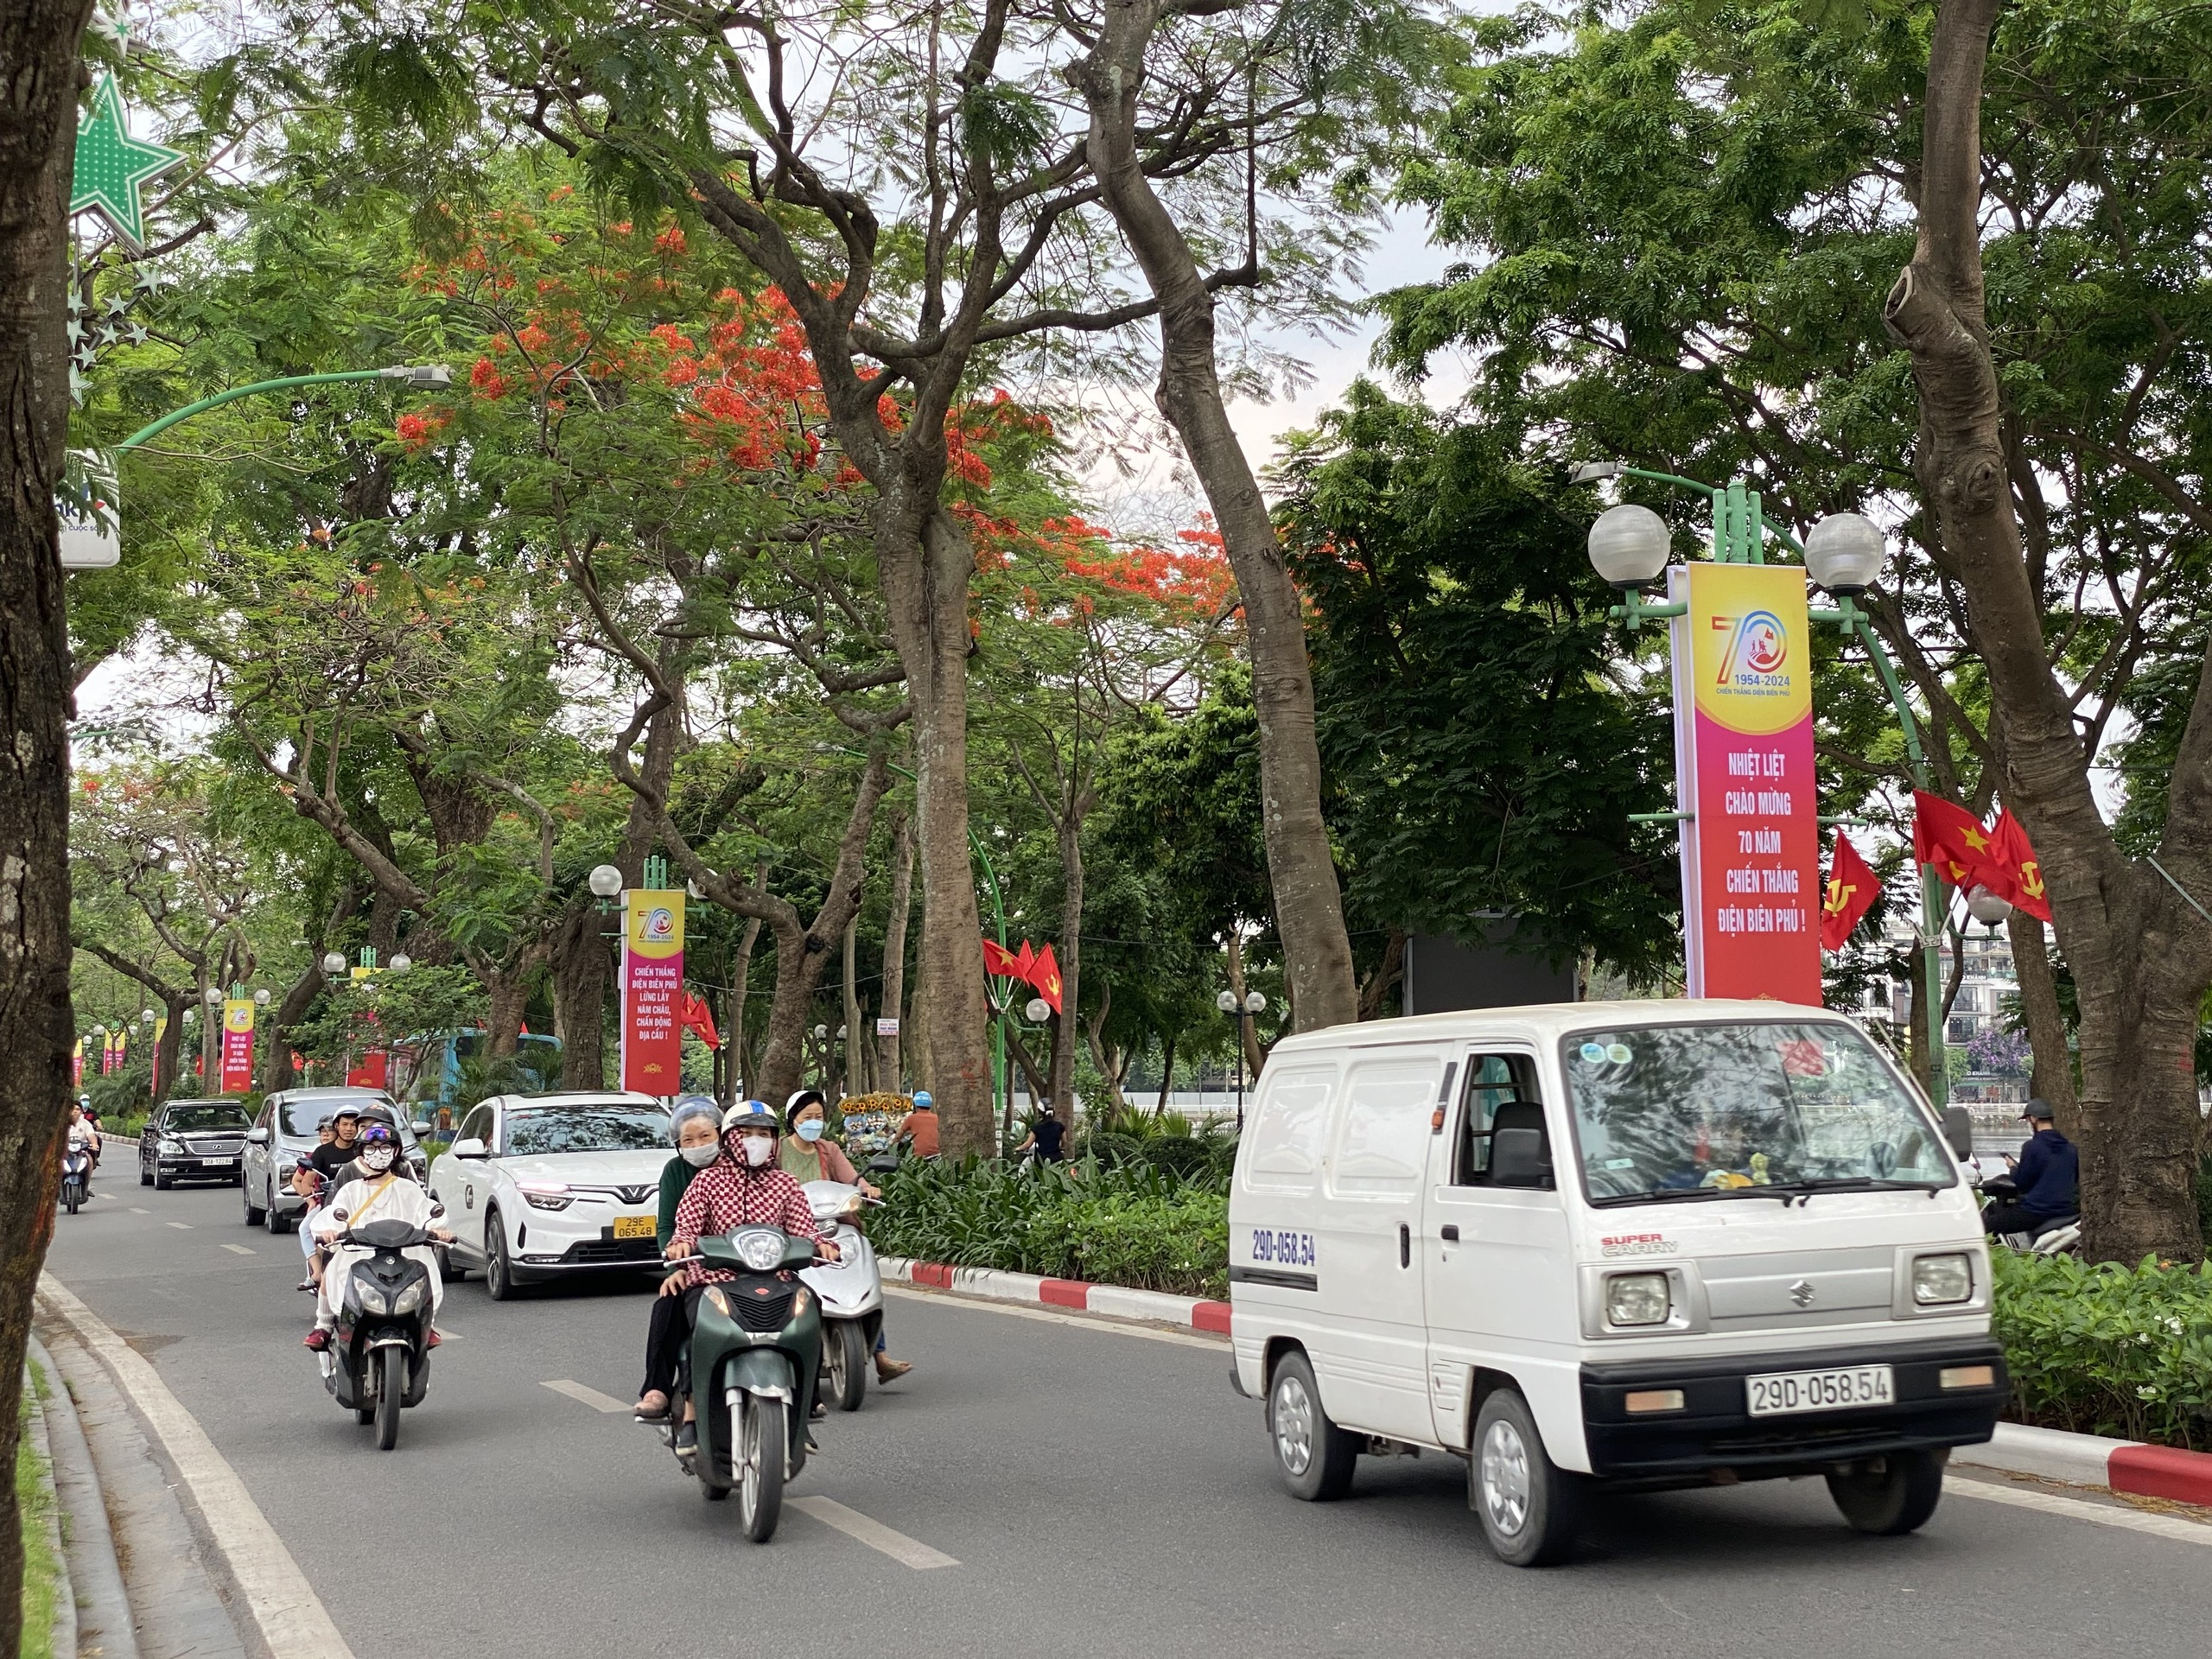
{"x":1852,"y":887}
{"x":1952,"y":840}
{"x":2018,"y":865}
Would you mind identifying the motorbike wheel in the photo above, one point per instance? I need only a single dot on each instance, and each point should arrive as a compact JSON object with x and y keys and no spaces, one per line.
{"x":846,"y":1351}
{"x":499,"y":1273}
{"x":391,"y":1386}
{"x":762,"y":1452}
{"x":254,"y":1217}
{"x":71,"y":1190}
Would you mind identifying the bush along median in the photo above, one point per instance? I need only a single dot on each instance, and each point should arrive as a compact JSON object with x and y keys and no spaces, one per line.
{"x":2107,"y":1349}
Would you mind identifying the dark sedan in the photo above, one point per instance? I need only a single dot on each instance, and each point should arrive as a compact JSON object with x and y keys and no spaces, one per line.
{"x":194,"y":1140}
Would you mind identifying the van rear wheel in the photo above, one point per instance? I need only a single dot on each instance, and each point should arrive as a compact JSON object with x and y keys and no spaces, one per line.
{"x":1890,"y":1496}
{"x":1529,"y":1507}
{"x":1315,"y":1457}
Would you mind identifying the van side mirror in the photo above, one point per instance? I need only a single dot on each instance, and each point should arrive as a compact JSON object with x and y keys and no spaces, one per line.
{"x":1520,"y":1158}
{"x":472,"y":1148}
{"x":420,"y":1129}
{"x":259,"y":1137}
{"x":1958,"y":1129}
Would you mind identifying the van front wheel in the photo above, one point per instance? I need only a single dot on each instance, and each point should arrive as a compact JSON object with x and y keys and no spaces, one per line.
{"x":1315,"y":1456}
{"x":1529,"y":1507}
{"x":1890,"y":1495}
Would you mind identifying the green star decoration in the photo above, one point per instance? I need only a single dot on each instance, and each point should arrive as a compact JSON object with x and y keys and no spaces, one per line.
{"x":112,"y":166}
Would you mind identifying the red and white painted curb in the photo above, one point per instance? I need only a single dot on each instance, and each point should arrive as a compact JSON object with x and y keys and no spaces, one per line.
{"x":1116,"y":1301}
{"x":2094,"y":1461}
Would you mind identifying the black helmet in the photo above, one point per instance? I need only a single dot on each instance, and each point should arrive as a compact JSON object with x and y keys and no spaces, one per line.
{"x":376,"y":1113}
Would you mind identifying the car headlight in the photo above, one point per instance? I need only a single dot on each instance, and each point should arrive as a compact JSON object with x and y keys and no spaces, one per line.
{"x":547,"y":1195}
{"x":367,"y":1297}
{"x":1940,"y":1279}
{"x":411,"y":1297}
{"x":760,"y":1249}
{"x":1634,"y":1298}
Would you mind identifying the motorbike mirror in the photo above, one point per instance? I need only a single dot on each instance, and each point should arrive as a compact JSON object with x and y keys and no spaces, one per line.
{"x":436,"y":1209}
{"x":1958,"y":1129}
{"x":339,"y":1215}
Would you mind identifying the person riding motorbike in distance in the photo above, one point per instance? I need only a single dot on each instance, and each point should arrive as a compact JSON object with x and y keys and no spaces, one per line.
{"x":696,"y":1127}
{"x":85,"y":1137}
{"x":807,"y":1154}
{"x":380,"y":1193}
{"x":742,"y":1187}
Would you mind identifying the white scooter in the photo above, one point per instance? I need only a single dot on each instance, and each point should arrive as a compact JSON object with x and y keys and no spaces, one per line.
{"x":851,"y":1293}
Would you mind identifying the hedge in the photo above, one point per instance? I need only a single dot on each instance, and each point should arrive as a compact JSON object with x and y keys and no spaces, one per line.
{"x":2107,"y":1349}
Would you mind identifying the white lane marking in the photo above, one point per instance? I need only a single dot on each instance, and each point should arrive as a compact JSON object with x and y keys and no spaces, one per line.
{"x":181,"y":1226}
{"x":2074,"y":1509}
{"x":136,"y":1210}
{"x":591,"y":1397}
{"x":292,"y":1621}
{"x":237,"y":1250}
{"x":908,"y":1552}
{"x":1086,"y":1322}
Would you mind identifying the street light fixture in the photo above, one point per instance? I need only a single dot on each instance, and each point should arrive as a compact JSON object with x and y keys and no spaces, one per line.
{"x":606,"y":881}
{"x":1990,"y":909}
{"x":334,"y":964}
{"x":1629,"y":545}
{"x":402,"y":963}
{"x":260,"y":998}
{"x":1255,"y":1003}
{"x":1038,"y":1010}
{"x":1241,"y":1010}
{"x":213,"y":996}
{"x":1844,"y":554}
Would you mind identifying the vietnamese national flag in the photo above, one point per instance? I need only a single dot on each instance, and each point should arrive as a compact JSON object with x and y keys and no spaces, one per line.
{"x":998,"y":960}
{"x":1851,"y":888}
{"x":1044,"y":975}
{"x":2016,"y":864}
{"x":1954,"y":842}
{"x":691,"y":1010}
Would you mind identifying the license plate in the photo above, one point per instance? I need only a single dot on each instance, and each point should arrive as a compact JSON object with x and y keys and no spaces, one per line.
{"x":1779,"y":1394}
{"x":636,"y":1227}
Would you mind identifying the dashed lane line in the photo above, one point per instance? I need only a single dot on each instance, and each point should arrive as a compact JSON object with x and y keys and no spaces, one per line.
{"x":136,"y":1210}
{"x":908,"y":1552}
{"x":181,"y":1226}
{"x":591,"y":1397}
{"x":237,"y":1250}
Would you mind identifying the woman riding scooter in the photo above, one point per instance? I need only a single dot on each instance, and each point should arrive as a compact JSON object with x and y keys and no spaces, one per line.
{"x":696,"y":1125}
{"x":808,"y":1156}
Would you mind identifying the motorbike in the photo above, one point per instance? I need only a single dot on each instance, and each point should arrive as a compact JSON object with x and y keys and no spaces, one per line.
{"x":756,"y":1350}
{"x":851,"y":1293}
{"x":2060,"y":1236}
{"x":378,"y":1361}
{"x":76,"y":1177}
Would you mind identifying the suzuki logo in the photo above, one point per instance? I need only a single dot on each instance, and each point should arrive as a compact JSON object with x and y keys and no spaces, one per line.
{"x":1802,"y":1293}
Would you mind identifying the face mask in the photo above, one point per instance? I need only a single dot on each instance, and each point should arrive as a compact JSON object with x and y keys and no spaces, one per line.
{"x":810,"y":1130}
{"x":378,"y":1158}
{"x":758,"y":1148}
{"x":697,"y":1157}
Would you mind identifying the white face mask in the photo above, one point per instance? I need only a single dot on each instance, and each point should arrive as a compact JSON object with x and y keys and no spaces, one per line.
{"x":698,"y":1157}
{"x":758,"y":1148}
{"x":378,"y":1158}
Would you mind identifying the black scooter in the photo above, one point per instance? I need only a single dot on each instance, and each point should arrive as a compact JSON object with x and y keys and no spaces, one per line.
{"x":378,"y":1359}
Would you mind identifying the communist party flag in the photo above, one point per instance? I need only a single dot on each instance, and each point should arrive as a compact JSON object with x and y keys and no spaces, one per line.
{"x":1852,"y":887}
{"x":2016,"y":862}
{"x":1044,"y":975}
{"x":1954,"y":842}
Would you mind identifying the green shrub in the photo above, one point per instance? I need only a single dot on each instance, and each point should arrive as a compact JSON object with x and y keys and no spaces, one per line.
{"x":2107,"y":1349}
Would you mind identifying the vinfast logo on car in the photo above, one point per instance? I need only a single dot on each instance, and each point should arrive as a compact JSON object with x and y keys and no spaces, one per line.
{"x":1638,"y":1244}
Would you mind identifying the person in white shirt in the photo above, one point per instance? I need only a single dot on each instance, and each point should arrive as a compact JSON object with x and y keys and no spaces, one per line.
{"x":84,"y":1138}
{"x":382,"y":1194}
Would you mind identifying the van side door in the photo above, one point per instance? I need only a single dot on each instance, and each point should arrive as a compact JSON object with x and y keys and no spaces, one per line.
{"x":1498,"y":1272}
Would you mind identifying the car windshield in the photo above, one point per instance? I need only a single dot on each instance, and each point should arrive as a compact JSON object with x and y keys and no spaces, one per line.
{"x":1708,"y":1109}
{"x":212,"y":1114}
{"x":303,"y":1114}
{"x":611,"y":1126}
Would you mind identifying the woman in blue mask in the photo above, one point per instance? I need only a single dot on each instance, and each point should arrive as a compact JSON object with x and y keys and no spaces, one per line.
{"x":806,"y":1153}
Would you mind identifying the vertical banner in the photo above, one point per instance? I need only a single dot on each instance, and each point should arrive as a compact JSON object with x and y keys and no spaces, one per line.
{"x":154,"y":1058}
{"x":238,"y":1045}
{"x":1743,"y":769}
{"x":77,"y":1064}
{"x":652,"y":990}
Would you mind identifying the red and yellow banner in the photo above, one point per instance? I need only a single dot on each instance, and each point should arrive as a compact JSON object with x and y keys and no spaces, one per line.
{"x":238,"y":1045}
{"x":652,"y":990}
{"x":1743,"y":758}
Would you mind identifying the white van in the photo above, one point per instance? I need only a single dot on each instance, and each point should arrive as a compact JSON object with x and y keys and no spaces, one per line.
{"x":1611,"y":1246}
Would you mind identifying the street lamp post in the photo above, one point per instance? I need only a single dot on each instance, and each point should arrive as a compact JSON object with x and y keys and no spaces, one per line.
{"x":1843,"y":555}
{"x":428,"y":375}
{"x":1244,"y":1012}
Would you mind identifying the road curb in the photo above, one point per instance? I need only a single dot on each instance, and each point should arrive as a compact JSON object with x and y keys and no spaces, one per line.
{"x":62,"y":1639}
{"x":1114,"y":1301}
{"x":95,"y":1568}
{"x":2096,"y":1460}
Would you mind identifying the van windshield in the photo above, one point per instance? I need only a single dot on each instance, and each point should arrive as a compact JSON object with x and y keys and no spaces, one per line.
{"x":1713,"y":1110}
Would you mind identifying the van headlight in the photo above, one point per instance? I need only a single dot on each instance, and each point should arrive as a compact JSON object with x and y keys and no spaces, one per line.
{"x":1633,"y":1299}
{"x":1940,"y":1279}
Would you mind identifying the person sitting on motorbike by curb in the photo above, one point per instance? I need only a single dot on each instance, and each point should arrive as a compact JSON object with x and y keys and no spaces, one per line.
{"x":918,"y":1133}
{"x":808,"y":1156}
{"x":2047,"y":1175}
{"x":1046,"y":1135}
{"x":381,"y":1194}
{"x":310,"y":1184}
{"x":741,"y":1187}
{"x":696,"y":1125}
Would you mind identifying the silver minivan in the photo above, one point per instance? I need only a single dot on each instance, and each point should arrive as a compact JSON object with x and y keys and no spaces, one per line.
{"x":284,"y":1135}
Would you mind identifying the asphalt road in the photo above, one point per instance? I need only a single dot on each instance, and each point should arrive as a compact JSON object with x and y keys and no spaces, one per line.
{"x":1102,"y":1493}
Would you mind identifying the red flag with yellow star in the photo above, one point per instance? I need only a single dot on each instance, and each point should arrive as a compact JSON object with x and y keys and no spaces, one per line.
{"x":1852,"y":887}
{"x":2016,"y":864}
{"x":1954,"y":841}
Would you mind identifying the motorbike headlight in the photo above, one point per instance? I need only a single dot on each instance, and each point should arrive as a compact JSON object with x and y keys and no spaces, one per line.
{"x":1633,"y":1299}
{"x":367,"y":1297}
{"x":760,"y":1249}
{"x":411,"y":1297}
{"x":1940,"y":1279}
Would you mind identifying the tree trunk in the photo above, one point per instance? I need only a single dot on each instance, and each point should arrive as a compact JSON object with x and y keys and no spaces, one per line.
{"x":1308,"y":906}
{"x":508,"y":992}
{"x":276,"y":1069}
{"x":2053,"y":1075}
{"x":1918,"y":1056}
{"x":38,"y":127}
{"x":801,"y":957}
{"x":2141,"y":959}
{"x":582,"y":958}
{"x":1166,"y":1075}
{"x":1247,"y":1034}
{"x":926,"y":574}
{"x":853,"y":1049}
{"x":1109,"y":1072}
{"x":892,"y":1003}
{"x":734,"y":1071}
{"x":1071,"y":954}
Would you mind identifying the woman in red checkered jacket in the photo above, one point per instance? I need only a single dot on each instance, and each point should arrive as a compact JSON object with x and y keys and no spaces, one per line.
{"x":742,"y":1187}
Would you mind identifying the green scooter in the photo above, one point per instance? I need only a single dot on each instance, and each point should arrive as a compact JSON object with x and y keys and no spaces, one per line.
{"x":756,"y":1350}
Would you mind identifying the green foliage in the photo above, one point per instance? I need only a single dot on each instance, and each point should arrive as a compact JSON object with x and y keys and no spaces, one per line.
{"x":34,"y":1502}
{"x":2107,"y":1349}
{"x":1127,"y":1223}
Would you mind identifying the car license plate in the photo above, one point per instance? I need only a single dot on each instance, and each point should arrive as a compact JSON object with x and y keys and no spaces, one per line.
{"x":1779,"y":1394}
{"x":636,"y":1227}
